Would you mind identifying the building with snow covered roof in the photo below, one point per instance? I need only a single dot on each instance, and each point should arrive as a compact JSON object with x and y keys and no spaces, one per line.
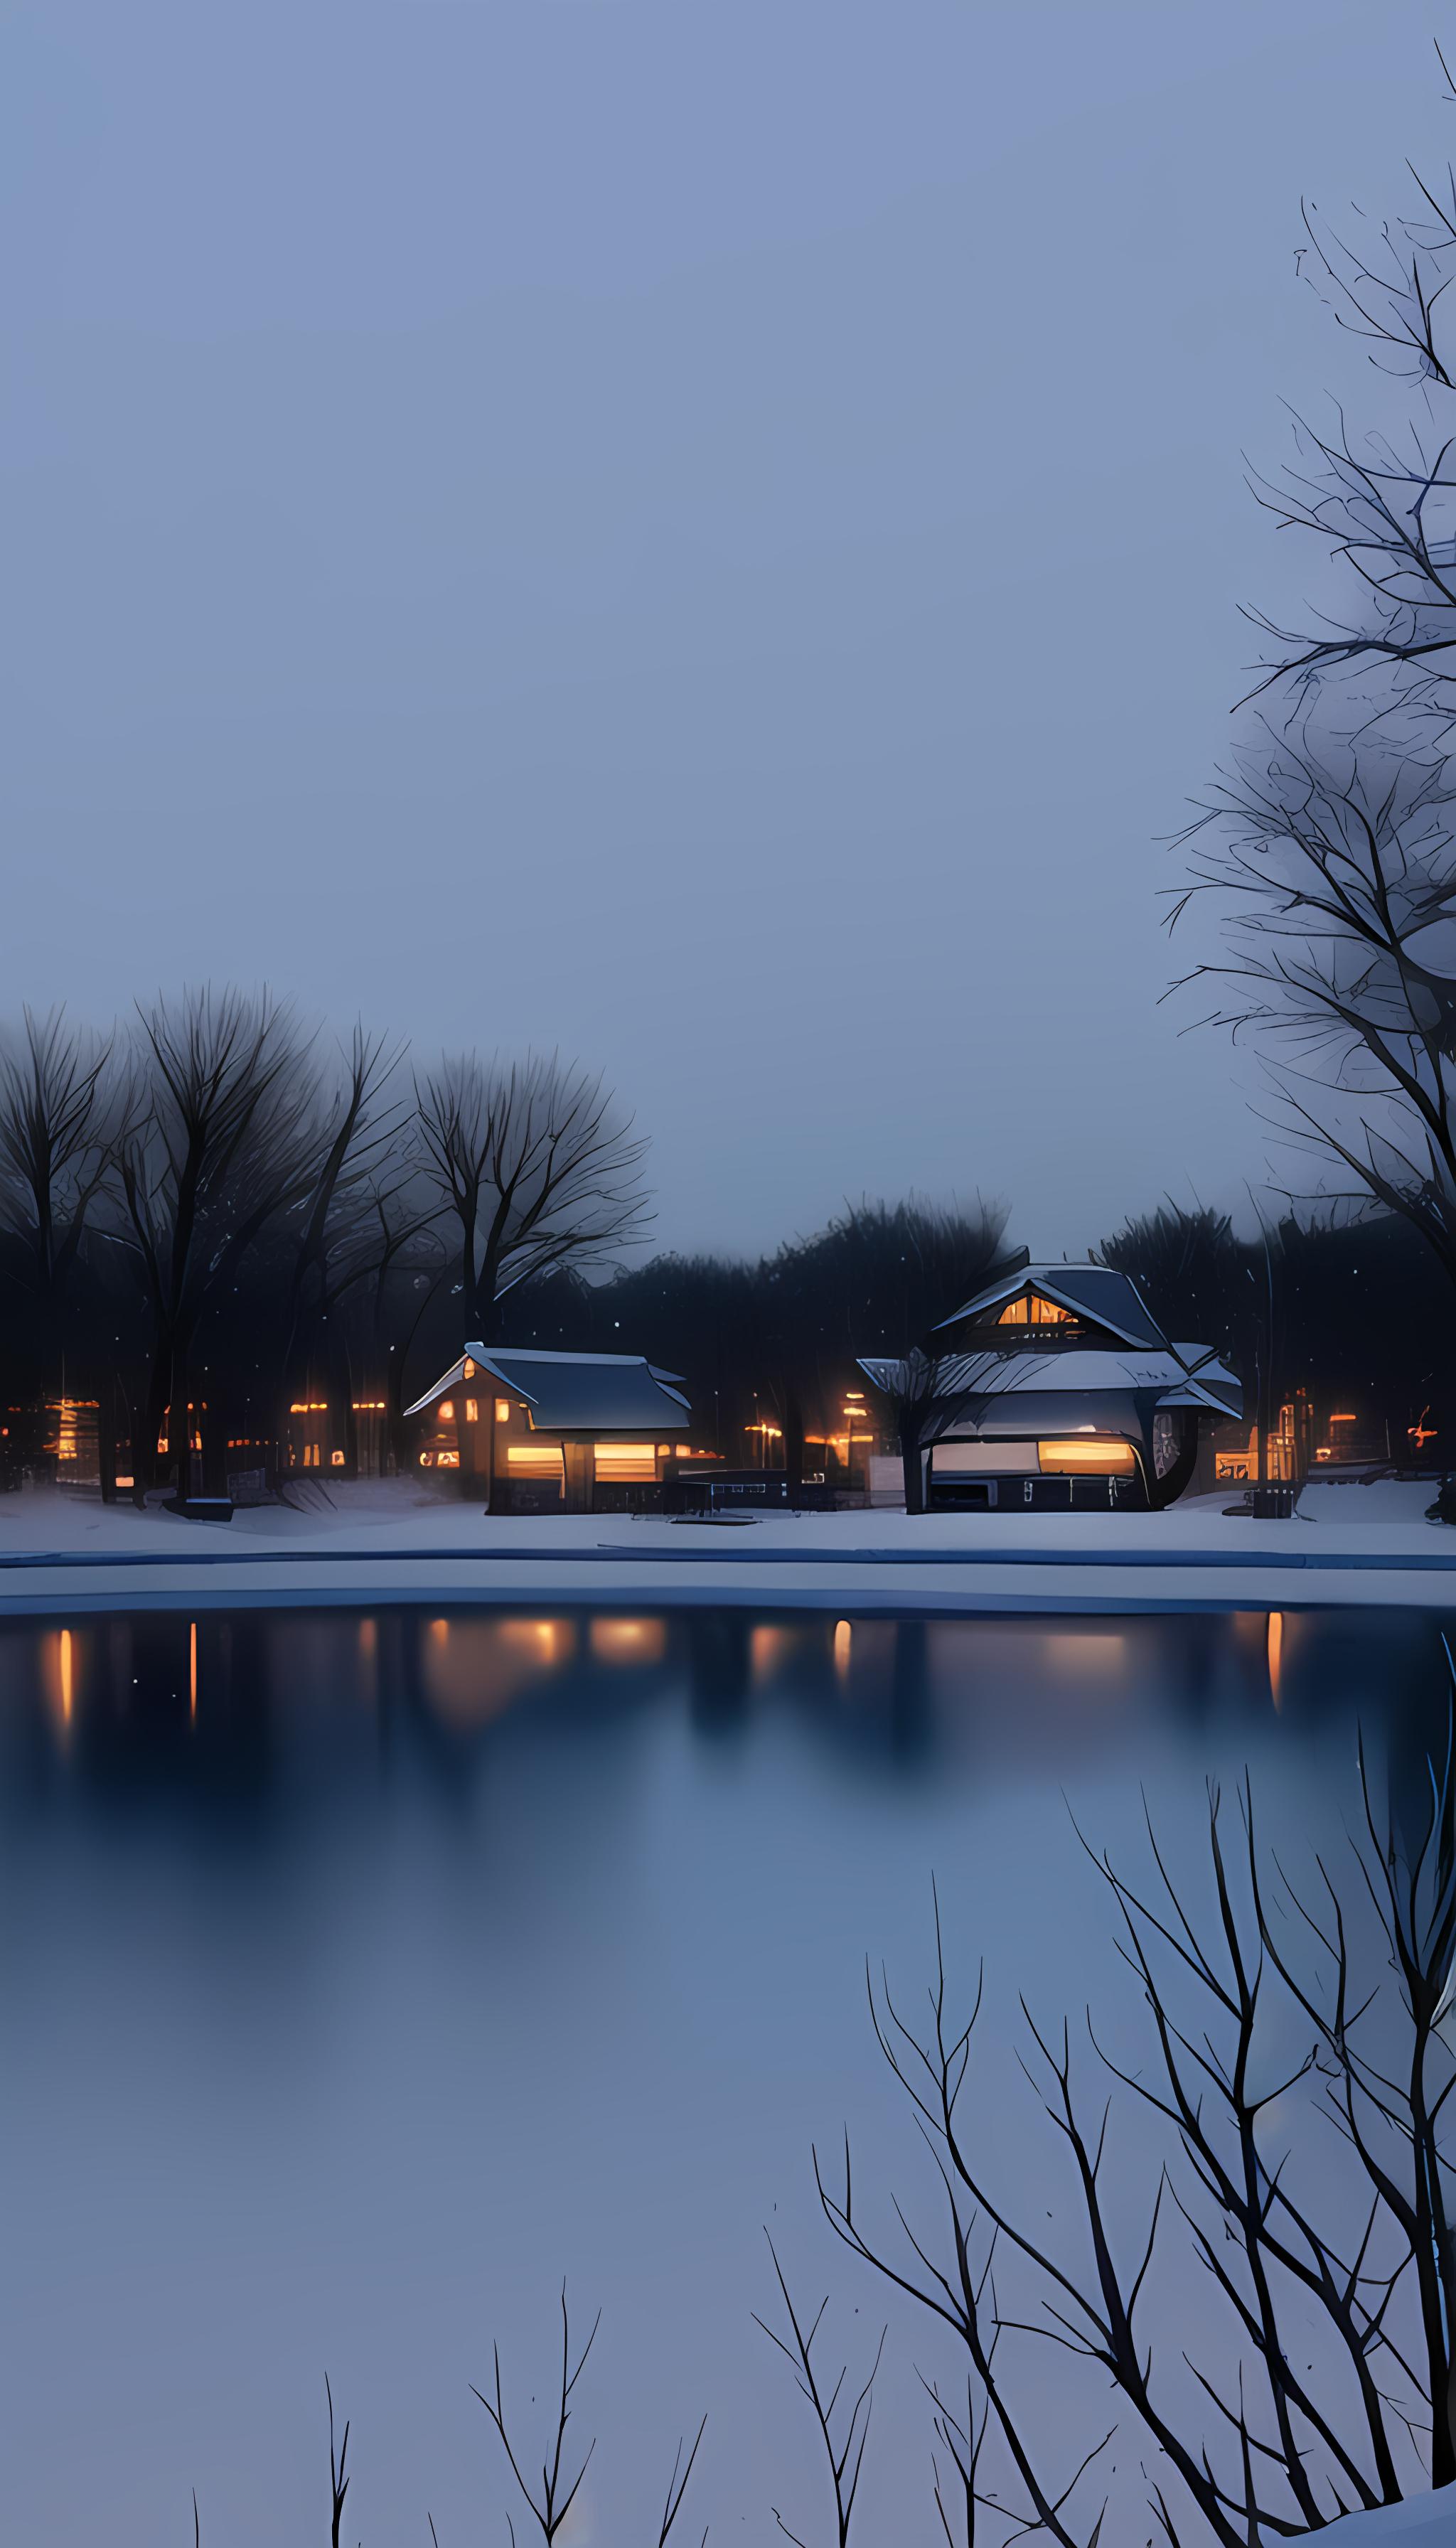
{"x":541,"y":1430}
{"x":1052,"y":1389}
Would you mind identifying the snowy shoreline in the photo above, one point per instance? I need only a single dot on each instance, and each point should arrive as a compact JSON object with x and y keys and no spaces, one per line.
{"x":1363,"y":1546}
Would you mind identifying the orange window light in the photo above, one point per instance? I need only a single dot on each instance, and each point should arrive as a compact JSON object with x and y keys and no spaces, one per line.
{"x":1099,"y":1455}
{"x":1033,"y":1310}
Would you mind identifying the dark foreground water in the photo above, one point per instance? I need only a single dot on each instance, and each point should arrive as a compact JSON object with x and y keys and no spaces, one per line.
{"x":362,"y":1976}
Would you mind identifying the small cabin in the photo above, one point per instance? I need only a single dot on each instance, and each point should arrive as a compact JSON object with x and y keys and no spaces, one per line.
{"x":1054,"y":1390}
{"x":539,"y":1431}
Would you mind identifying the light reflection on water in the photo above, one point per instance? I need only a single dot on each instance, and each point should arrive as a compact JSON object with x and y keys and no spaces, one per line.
{"x":359,"y":1975}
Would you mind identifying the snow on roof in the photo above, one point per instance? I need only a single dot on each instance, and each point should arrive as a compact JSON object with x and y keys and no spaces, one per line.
{"x":1076,"y":1371}
{"x":1093,"y":1291}
{"x":575,"y":1393}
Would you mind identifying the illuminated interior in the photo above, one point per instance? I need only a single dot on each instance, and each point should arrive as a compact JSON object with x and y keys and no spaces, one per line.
{"x":1099,"y":1455}
{"x":626,"y":1463}
{"x":1031,"y":1310}
{"x":1078,"y":1455}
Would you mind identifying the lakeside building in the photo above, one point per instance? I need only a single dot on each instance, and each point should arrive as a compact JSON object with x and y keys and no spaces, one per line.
{"x":547,"y":1431}
{"x":1054,"y":1389}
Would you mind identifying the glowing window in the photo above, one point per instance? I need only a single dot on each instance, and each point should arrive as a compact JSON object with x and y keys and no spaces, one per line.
{"x":447,"y":1412}
{"x":502,"y":1411}
{"x":1086,"y":1455}
{"x":471,"y":1410}
{"x":535,"y":1458}
{"x":335,"y":1459}
{"x":1032,"y":1311}
{"x":625,"y":1463}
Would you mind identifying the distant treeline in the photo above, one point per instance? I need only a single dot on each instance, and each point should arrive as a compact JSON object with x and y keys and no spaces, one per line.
{"x":1360,"y":1311}
{"x":212,"y":1213}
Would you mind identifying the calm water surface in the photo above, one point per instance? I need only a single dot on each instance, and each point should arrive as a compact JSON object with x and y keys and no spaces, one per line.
{"x":362,"y":1976}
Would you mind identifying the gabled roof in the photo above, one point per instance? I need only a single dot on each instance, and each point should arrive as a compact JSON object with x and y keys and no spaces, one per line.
{"x":1174,"y":1376}
{"x":1095,"y":1292}
{"x":575,"y":1393}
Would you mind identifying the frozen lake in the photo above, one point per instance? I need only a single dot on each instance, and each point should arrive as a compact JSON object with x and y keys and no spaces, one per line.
{"x":363,"y":1975}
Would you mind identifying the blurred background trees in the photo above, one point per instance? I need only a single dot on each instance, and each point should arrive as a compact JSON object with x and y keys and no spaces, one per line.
{"x":215,"y":1213}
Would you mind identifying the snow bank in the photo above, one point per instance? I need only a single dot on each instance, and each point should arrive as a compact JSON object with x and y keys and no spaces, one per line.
{"x":1424,"y":2521}
{"x":397,"y":1543}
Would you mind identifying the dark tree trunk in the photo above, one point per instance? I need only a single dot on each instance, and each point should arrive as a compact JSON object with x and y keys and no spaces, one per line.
{"x":793,"y":1442}
{"x":152,"y":1412}
{"x":211,"y":1423}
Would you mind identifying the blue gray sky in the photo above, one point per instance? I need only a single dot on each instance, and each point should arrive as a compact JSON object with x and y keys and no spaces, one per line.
{"x":709,"y":537}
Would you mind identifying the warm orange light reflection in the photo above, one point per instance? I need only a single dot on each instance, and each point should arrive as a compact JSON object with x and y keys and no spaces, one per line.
{"x":1275,"y":1651}
{"x":192,"y":1671}
{"x":767,"y":1648}
{"x":843,"y":1639}
{"x":629,"y":1641}
{"x":67,"y":1677}
{"x":368,"y":1636}
{"x":440,"y":1630}
{"x":1085,"y":1655}
{"x":549,"y":1640}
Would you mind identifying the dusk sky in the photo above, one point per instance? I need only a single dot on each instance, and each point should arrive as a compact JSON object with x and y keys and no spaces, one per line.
{"x":710,"y":538}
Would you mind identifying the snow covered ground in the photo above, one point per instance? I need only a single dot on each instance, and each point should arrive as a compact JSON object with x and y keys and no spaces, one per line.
{"x":1370,"y":1545}
{"x":1426,"y":2522}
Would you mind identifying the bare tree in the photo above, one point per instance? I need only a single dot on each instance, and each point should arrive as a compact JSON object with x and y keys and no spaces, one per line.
{"x":538,"y":1166}
{"x":1329,"y":844}
{"x":217,"y":1142}
{"x":357,"y":1154}
{"x":1381,"y":503}
{"x":55,"y":1131}
{"x":1338,"y":2297}
{"x":550,"y":2499}
{"x":338,"y":2479}
{"x":1333,"y":870}
{"x":913,"y":1382}
{"x":842,"y":2436}
{"x":368,"y":1209}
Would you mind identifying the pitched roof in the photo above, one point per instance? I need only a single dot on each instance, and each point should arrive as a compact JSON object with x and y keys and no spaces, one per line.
{"x":1178,"y":1375}
{"x":1096,"y":1292}
{"x":576,"y":1393}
